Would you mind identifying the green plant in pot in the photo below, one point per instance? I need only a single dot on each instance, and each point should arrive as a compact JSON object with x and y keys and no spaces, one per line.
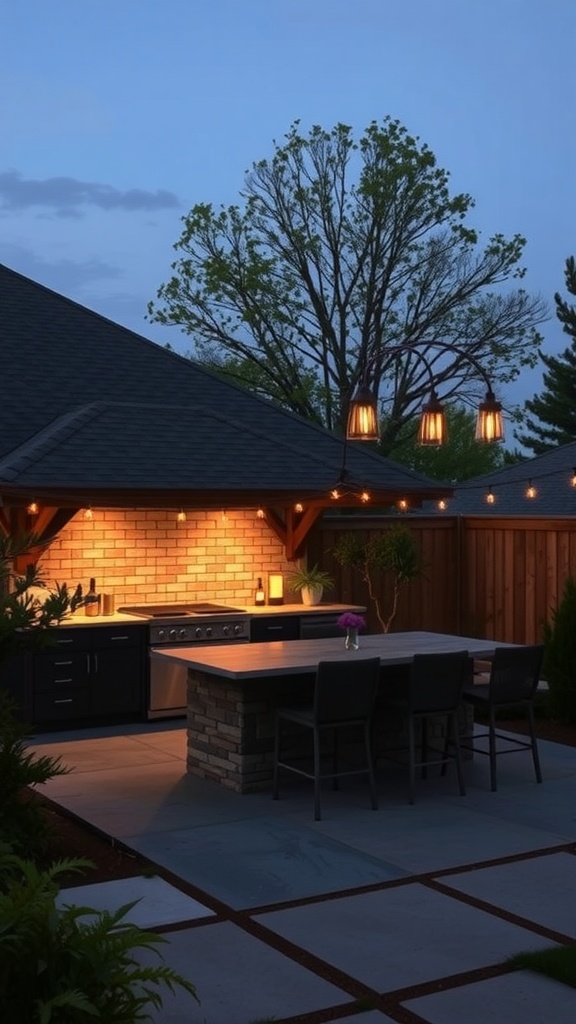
{"x":310,"y":582}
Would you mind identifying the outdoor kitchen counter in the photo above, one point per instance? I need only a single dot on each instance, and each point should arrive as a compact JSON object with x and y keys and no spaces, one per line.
{"x":233,"y":691}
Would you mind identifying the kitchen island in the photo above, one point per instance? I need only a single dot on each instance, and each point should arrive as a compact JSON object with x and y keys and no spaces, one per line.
{"x":233,"y":692}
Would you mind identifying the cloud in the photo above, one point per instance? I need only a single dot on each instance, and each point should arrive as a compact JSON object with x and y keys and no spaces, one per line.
{"x":63,"y":275}
{"x":66,"y":196}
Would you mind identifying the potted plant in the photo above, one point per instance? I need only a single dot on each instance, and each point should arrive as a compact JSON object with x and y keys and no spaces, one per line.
{"x":310,"y":583}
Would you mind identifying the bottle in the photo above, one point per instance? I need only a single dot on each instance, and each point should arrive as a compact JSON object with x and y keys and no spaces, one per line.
{"x":91,"y":601}
{"x":260,"y":596}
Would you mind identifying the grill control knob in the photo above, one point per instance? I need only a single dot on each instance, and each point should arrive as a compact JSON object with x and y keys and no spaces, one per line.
{"x":198,"y":633}
{"x":182,"y":634}
{"x":208,"y":631}
{"x":161,"y":634}
{"x":225,"y":630}
{"x":238,"y":630}
{"x":173,"y":634}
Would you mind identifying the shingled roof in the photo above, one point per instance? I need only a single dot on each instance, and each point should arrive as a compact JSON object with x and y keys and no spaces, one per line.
{"x":551,"y":476}
{"x":93,"y":412}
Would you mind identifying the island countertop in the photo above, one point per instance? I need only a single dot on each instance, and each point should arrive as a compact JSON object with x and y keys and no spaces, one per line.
{"x":298,"y":657}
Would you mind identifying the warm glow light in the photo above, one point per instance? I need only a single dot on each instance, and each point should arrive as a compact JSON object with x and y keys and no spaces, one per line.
{"x":298,"y":507}
{"x":573,"y":481}
{"x":223,"y":517}
{"x":335,"y":494}
{"x":365,"y":496}
{"x":489,"y":422}
{"x":88,"y":514}
{"x":531,"y":491}
{"x":260,"y":513}
{"x":432,"y":430}
{"x":490,"y":497}
{"x":403,"y":505}
{"x":275,"y":588}
{"x":181,"y":517}
{"x":363,"y":422}
{"x":442,"y":505}
{"x":32,"y":509}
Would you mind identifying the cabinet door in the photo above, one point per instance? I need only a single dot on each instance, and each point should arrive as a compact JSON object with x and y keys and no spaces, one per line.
{"x":118,"y":681}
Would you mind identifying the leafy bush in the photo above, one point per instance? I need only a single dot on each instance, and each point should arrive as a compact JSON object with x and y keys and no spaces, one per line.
{"x":22,"y":824}
{"x":559,"y":667}
{"x":71,"y":965}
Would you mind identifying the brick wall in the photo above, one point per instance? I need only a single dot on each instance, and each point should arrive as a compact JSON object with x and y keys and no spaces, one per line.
{"x":143,"y":556}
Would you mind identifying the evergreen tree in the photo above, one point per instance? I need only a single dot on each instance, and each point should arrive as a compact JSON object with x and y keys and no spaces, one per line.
{"x":552,"y":414}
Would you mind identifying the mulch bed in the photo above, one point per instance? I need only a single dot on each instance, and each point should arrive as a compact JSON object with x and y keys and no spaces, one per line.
{"x":70,"y":837}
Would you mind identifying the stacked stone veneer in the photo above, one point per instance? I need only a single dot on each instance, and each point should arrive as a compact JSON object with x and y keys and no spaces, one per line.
{"x":143,"y":556}
{"x":230,"y":728}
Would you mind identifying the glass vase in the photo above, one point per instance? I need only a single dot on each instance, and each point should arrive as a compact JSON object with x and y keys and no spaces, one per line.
{"x":351,"y":641}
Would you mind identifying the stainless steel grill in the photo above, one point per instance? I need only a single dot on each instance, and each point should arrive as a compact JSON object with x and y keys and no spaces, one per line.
{"x":184,"y":624}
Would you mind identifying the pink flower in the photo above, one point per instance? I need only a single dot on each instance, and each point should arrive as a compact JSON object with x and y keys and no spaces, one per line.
{"x":351,"y":621}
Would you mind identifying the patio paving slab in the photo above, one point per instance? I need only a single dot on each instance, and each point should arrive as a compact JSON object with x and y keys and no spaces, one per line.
{"x":239,"y":979}
{"x":159,"y":903}
{"x":518,"y":998}
{"x":255,"y":863}
{"x":399,"y":937}
{"x":541,"y":889}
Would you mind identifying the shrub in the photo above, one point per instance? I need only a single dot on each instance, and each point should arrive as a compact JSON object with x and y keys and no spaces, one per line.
{"x":71,"y":965}
{"x":22,"y":823}
{"x":559,"y":667}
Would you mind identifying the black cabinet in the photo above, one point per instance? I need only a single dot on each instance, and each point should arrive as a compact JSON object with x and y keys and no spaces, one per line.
{"x":90,"y":673}
{"x":274,"y":627}
{"x":310,"y":626}
{"x":318,"y":626}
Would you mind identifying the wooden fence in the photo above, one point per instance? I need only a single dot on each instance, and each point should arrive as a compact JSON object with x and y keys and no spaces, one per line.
{"x":495,"y":578}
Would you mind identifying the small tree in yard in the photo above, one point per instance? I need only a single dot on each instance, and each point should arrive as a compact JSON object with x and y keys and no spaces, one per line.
{"x":394,"y":551}
{"x":559,"y":667}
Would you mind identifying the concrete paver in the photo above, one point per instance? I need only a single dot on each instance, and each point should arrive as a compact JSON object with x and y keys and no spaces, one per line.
{"x":362,"y":905}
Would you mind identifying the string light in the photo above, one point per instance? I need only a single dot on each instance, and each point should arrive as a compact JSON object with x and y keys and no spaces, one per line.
{"x":298,"y":507}
{"x":442,"y":505}
{"x":223,"y":517}
{"x":490,"y":497}
{"x":88,"y":513}
{"x":365,"y":496}
{"x":260,"y":514}
{"x":573,"y":480}
{"x":335,"y":494}
{"x":403,"y":505}
{"x":181,"y":517}
{"x":32,"y":509}
{"x":531,"y":491}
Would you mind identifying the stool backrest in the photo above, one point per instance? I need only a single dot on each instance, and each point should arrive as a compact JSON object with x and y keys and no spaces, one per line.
{"x":515,"y":673}
{"x":346,"y":690}
{"x":436,"y":681}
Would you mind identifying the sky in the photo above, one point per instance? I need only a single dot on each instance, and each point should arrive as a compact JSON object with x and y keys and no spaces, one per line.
{"x":119,"y":115}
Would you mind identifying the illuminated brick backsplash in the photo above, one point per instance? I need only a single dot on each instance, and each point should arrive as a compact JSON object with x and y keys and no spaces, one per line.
{"x":141,"y":556}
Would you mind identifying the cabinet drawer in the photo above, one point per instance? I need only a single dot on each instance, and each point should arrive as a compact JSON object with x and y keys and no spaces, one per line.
{"x":62,"y":668}
{"x":118,"y":636}
{"x":61,"y":704}
{"x":274,"y":627}
{"x":71,"y":639}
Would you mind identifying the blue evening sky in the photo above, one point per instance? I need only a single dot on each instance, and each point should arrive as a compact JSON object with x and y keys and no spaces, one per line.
{"x":119,"y":115}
